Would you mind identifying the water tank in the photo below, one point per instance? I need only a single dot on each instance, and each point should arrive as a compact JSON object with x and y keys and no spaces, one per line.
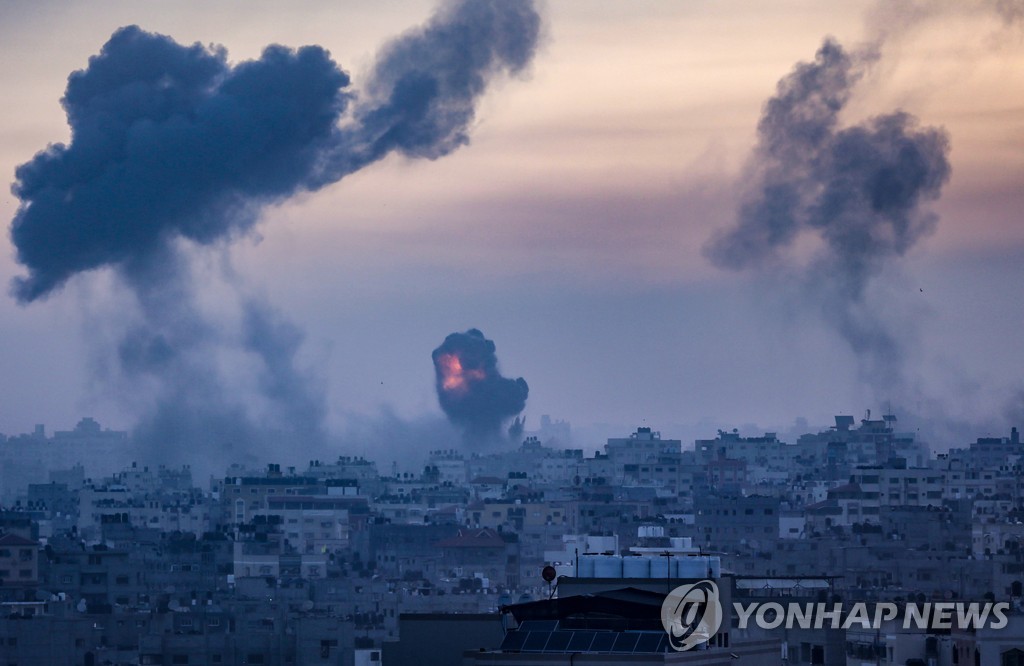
{"x":691,"y":567}
{"x":586,"y":566}
{"x":716,"y":566}
{"x":636,"y":567}
{"x":607,"y":566}
{"x":650,"y":531}
{"x":659,"y":567}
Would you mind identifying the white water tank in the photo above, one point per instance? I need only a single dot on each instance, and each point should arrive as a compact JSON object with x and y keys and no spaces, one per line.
{"x":659,"y":567}
{"x":691,"y":567}
{"x":636,"y":567}
{"x":650,"y":531}
{"x":607,"y":566}
{"x":586,"y":566}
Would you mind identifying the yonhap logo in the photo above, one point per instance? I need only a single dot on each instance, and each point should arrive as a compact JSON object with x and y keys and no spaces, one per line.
{"x":691,"y":614}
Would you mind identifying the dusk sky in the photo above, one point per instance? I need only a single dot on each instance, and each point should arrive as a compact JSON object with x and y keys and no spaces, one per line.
{"x":572,"y":229}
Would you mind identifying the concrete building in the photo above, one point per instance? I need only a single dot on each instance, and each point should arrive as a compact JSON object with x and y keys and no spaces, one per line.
{"x":732,"y":522}
{"x":19,"y":561}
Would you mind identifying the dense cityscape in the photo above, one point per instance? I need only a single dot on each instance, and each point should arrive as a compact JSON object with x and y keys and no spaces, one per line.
{"x":337,"y":561}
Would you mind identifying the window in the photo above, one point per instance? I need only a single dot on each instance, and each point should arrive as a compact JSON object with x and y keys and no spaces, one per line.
{"x":325,"y":647}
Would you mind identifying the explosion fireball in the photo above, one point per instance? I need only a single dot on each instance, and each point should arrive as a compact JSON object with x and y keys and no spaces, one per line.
{"x":470,"y":388}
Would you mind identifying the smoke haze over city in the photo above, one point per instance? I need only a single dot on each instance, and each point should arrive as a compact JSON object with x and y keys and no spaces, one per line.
{"x":582,"y":195}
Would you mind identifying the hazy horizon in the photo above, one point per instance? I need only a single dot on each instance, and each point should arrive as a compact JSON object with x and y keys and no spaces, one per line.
{"x":571,"y":229}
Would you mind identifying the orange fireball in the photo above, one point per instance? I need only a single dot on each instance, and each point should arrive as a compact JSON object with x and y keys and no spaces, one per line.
{"x":454,"y":377}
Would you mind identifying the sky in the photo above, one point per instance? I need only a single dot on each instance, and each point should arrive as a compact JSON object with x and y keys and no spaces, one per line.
{"x":573,"y":228}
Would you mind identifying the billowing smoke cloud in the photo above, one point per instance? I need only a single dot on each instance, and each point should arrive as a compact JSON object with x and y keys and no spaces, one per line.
{"x":173,"y":147}
{"x":469,"y":387}
{"x":421,"y":96}
{"x":858,"y":189}
{"x":170,"y":141}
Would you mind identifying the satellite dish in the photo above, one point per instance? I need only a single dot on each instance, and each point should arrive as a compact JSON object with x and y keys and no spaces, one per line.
{"x":548,"y":573}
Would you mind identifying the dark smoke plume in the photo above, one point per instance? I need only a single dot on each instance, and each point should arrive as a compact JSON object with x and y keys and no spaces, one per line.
{"x":170,"y":141}
{"x":422,"y":92}
{"x":172,"y":147}
{"x":470,"y":389}
{"x":858,"y":189}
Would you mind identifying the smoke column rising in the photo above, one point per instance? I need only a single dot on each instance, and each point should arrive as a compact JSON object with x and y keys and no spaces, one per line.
{"x":858,"y":189}
{"x":422,"y":92}
{"x":470,"y":388}
{"x":172,"y":148}
{"x":169,"y":141}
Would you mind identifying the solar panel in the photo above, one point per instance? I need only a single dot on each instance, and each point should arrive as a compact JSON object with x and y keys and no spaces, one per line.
{"x":536,"y":640}
{"x":514,"y":641}
{"x":603,"y":641}
{"x":580,"y":641}
{"x":559,"y":641}
{"x":649,"y":642}
{"x":625,"y":642}
{"x":539,"y":639}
